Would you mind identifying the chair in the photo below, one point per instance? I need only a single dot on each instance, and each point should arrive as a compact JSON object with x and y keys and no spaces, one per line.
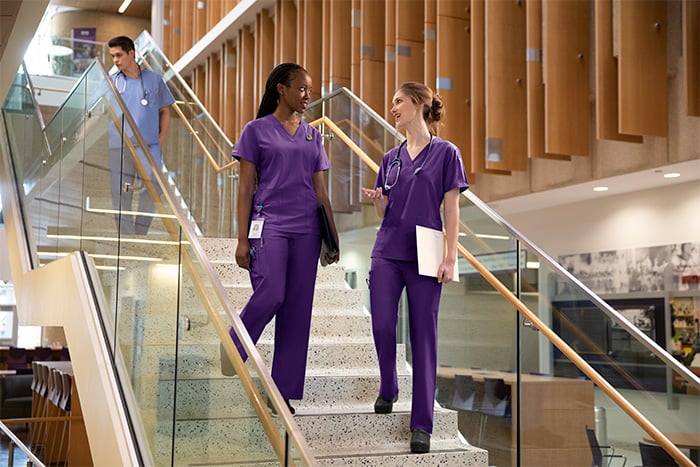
{"x":655,"y":456}
{"x":42,"y":354}
{"x":16,"y":358}
{"x":64,"y":355}
{"x":16,"y":396}
{"x":494,"y":403}
{"x":597,"y":451}
{"x":464,"y":393}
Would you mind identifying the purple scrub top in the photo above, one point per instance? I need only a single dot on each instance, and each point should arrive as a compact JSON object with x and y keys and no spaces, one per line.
{"x":415,"y":199}
{"x":285,"y":195}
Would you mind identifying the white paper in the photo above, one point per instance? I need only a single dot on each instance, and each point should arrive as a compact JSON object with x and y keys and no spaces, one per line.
{"x":431,"y":251}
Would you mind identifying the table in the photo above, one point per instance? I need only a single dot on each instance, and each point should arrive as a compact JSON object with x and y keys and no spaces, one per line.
{"x":683,"y":440}
{"x":553,"y":416}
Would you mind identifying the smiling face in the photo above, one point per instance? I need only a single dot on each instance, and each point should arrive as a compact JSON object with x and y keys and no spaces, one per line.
{"x":404,"y":110}
{"x":297,"y":95}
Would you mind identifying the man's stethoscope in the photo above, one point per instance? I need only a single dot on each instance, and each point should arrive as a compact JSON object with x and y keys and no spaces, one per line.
{"x":396,"y":164}
{"x":144,"y":101}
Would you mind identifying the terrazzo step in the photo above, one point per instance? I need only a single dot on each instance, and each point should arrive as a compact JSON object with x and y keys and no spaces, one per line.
{"x":442,"y":453}
{"x":231,"y":273}
{"x":329,"y":298}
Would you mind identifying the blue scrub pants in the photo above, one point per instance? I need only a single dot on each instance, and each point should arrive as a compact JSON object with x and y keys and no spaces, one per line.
{"x":283,"y":275}
{"x":387,"y":279}
{"x":123,"y":170}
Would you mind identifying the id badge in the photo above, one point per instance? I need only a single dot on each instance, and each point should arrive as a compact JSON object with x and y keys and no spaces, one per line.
{"x":256,"y":227}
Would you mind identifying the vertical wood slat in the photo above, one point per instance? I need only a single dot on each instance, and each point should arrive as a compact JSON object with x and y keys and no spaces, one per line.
{"x":326,"y":47}
{"x":606,"y":77}
{"x":175,"y":25}
{"x":389,"y":57}
{"x":340,"y":73}
{"x":452,"y":73}
{"x":200,"y":20}
{"x":642,"y":82}
{"x":285,"y":31}
{"x":409,"y":42}
{"x":228,"y":84}
{"x":187,"y":30}
{"x":199,"y":83}
{"x":213,"y":75}
{"x":477,"y":161}
{"x":535,"y":84}
{"x":310,"y":33}
{"x":247,"y":108}
{"x":430,"y":43}
{"x":566,"y":77}
{"x":506,"y":97}
{"x":372,"y":55}
{"x":167,"y":29}
{"x":691,"y":55}
{"x":264,"y":52}
{"x":356,"y":19}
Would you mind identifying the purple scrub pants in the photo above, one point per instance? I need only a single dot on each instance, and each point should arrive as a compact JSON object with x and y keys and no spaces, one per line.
{"x":283,"y":275}
{"x":387,"y":279}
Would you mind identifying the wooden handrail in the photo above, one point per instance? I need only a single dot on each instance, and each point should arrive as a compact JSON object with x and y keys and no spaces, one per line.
{"x":570,"y":353}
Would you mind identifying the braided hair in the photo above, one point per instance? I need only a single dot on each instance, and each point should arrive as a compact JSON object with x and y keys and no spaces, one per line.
{"x":281,"y":74}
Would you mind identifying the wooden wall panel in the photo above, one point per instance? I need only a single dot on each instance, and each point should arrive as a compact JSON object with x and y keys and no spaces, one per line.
{"x":285,"y":31}
{"x":167,"y":30}
{"x":606,"y":77}
{"x":452,"y":80}
{"x":566,"y":77}
{"x":506,"y":96}
{"x":228,"y":86}
{"x":390,"y":83}
{"x":245,"y":86}
{"x":264,"y":52}
{"x":691,"y":55}
{"x":175,"y":25}
{"x":187,"y":30}
{"x":213,"y":76}
{"x":200,"y":20}
{"x":477,"y":162}
{"x":311,"y":35}
{"x":372,"y":55}
{"x":430,"y":44}
{"x":199,"y":83}
{"x":535,"y":84}
{"x":643,"y":91}
{"x":409,"y":42}
{"x":340,"y":25}
{"x":356,"y":18}
{"x":326,"y":48}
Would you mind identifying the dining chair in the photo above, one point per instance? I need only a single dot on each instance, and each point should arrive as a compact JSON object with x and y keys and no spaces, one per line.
{"x":464,"y":393}
{"x":16,"y":358}
{"x":597,"y":451}
{"x":654,"y":455}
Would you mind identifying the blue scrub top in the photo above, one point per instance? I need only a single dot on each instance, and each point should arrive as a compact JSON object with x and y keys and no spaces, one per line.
{"x":285,"y":195}
{"x":415,"y":199}
{"x":148,"y":85}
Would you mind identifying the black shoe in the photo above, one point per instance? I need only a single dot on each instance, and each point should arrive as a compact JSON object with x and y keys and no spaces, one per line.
{"x":420,"y":441}
{"x":227,"y":368}
{"x":274,"y":411}
{"x":383,"y":405}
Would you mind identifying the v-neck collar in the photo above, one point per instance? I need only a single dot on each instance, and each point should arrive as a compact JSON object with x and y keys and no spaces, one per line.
{"x":284,"y":128}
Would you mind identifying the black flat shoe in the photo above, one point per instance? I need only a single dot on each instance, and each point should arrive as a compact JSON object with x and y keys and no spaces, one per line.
{"x":420,"y":441}
{"x":274,"y":411}
{"x":383,"y":405}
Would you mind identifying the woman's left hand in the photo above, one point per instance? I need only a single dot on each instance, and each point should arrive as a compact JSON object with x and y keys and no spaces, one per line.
{"x":446,"y":271}
{"x":332,"y":259}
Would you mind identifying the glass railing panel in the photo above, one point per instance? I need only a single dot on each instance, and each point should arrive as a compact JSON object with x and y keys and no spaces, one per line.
{"x":72,"y":56}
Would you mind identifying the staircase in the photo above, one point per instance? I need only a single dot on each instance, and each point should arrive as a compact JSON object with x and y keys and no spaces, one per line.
{"x":336,"y":414}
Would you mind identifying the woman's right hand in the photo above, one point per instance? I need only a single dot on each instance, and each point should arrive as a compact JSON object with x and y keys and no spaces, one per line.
{"x":376,"y":195}
{"x":243,"y":254}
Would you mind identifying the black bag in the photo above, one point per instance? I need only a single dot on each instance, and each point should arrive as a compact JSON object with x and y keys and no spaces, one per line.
{"x":328,"y":245}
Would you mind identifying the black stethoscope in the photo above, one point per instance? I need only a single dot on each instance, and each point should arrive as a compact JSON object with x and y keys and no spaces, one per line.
{"x":144,"y":101}
{"x":397,"y":164}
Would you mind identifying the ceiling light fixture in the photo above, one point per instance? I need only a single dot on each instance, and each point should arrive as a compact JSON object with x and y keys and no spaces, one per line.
{"x":672,"y":175}
{"x":600,"y":188}
{"x":125,"y":4}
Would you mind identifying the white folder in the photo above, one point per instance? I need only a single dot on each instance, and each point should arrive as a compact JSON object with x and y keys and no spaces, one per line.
{"x":431,"y":251}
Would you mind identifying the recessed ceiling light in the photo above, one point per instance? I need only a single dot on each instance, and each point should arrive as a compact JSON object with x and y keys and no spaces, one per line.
{"x":600,"y":188}
{"x":124,"y":6}
{"x":672,"y":175}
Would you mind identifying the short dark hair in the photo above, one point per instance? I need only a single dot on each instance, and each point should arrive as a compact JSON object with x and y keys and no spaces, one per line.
{"x":124,"y":42}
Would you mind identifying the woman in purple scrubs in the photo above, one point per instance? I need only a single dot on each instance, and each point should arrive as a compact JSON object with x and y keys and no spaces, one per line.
{"x":414,"y":180}
{"x":280,"y":188}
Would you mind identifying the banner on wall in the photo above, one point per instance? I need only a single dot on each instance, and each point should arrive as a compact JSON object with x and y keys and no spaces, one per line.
{"x":652,"y":269}
{"x":84,"y":49}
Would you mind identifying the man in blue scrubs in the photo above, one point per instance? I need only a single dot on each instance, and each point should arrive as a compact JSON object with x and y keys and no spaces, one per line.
{"x":148,"y":100}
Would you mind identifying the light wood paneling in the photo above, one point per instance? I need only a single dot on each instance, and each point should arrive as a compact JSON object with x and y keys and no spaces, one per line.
{"x":187,"y":30}
{"x":691,"y":55}
{"x":642,"y":81}
{"x":228,"y":85}
{"x":200,"y":20}
{"x":389,"y":57}
{"x":167,"y":29}
{"x":566,"y":77}
{"x":606,"y":76}
{"x":535,"y":84}
{"x":339,"y":54}
{"x":175,"y":26}
{"x":372,"y":55}
{"x":452,"y":83}
{"x":285,"y":31}
{"x":247,"y":108}
{"x":326,"y":47}
{"x":264,"y":52}
{"x":506,"y":96}
{"x":409,"y":42}
{"x":310,"y":17}
{"x":430,"y":43}
{"x":199,"y":83}
{"x":213,"y":83}
{"x":356,"y":52}
{"x":477,"y":160}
